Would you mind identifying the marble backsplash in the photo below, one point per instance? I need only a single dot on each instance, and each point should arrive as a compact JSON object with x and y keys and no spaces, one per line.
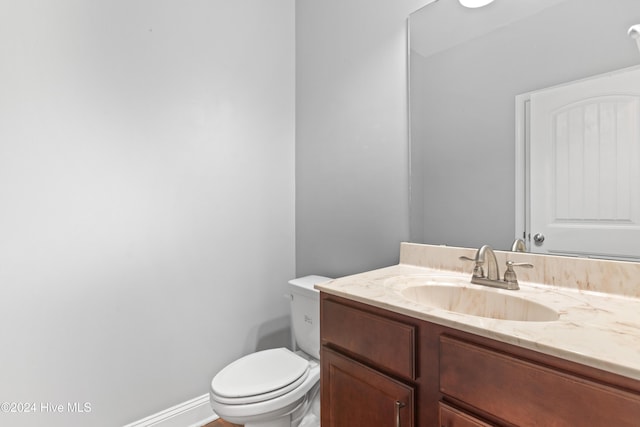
{"x":596,"y":275}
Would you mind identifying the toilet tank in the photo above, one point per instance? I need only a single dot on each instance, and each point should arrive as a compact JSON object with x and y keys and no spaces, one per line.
{"x":305,"y":314}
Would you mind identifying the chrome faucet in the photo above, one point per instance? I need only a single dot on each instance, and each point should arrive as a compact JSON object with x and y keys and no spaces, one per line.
{"x":518,"y":246}
{"x":485,"y":255}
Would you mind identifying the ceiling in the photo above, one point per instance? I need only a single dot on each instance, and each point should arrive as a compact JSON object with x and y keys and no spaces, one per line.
{"x":442,"y":24}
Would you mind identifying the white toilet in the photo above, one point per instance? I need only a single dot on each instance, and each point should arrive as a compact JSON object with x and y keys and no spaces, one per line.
{"x":277,"y":387}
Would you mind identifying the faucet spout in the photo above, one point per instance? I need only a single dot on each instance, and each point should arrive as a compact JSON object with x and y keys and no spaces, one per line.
{"x":488,"y":257}
{"x":518,"y":246}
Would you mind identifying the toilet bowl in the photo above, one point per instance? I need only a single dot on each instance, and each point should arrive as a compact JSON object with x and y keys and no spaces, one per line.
{"x":277,"y":387}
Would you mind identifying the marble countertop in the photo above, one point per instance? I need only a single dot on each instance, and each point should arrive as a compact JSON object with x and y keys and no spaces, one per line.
{"x":598,"y":329}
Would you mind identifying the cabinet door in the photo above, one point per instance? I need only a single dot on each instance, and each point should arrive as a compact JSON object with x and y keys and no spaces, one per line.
{"x":451,"y":417}
{"x":354,"y":395}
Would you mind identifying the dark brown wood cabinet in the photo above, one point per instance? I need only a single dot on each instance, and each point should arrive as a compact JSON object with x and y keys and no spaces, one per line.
{"x":452,"y":417}
{"x":530,"y":394}
{"x":368,"y":368}
{"x":379,"y":340}
{"x":360,"y":396}
{"x":383,"y":369}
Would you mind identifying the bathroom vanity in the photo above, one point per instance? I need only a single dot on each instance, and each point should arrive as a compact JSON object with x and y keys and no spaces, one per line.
{"x":392,"y":358}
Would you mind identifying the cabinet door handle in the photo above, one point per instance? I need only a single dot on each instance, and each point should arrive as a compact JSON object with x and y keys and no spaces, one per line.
{"x":399,"y":405}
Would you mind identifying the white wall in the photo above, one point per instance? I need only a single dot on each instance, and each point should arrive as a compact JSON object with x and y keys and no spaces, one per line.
{"x":351,"y":134}
{"x":146,"y":199}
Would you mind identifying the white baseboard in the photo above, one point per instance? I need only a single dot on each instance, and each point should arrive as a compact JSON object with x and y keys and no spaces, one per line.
{"x":192,"y":413}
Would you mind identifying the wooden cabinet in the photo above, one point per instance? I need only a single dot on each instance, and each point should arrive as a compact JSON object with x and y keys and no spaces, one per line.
{"x":384,"y":369}
{"x":380,"y":341}
{"x":367,"y":365}
{"x":360,"y":396}
{"x":452,"y":417}
{"x":529,"y":394}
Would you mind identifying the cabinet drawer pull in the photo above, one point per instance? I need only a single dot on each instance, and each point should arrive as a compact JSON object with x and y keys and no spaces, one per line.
{"x":399,"y":405}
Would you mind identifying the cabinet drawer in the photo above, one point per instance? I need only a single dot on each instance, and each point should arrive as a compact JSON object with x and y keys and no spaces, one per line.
{"x":385,"y":343}
{"x":528,"y":394}
{"x":451,"y":417}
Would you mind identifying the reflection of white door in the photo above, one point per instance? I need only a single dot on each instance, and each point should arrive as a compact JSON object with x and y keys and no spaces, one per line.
{"x":585,"y":167}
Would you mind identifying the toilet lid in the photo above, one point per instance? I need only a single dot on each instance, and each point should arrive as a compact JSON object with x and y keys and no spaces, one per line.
{"x":260,"y":376}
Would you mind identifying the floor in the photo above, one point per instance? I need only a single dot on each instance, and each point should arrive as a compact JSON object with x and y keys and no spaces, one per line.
{"x":221,"y":423}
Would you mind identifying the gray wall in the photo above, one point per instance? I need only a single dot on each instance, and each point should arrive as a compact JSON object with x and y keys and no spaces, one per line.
{"x":463,"y":103}
{"x":351,"y":134}
{"x":146,"y":199}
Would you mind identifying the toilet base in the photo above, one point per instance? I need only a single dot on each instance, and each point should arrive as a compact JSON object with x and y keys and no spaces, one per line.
{"x":306,"y":414}
{"x":279,"y":422}
{"x":279,"y":418}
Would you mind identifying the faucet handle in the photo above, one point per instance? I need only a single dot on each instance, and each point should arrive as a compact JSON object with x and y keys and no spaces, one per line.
{"x":519,"y":264}
{"x":510,"y":275}
{"x":478,"y":271}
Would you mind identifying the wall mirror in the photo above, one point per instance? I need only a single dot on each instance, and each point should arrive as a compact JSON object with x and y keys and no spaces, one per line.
{"x":466,"y":68}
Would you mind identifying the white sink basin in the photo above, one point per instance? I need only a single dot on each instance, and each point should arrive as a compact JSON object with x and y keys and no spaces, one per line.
{"x":479,"y":302}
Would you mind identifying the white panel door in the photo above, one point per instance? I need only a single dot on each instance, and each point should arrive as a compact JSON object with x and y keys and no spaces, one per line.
{"x":585,"y":167}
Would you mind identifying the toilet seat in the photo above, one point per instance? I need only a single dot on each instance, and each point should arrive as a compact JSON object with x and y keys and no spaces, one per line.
{"x":260,"y":376}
